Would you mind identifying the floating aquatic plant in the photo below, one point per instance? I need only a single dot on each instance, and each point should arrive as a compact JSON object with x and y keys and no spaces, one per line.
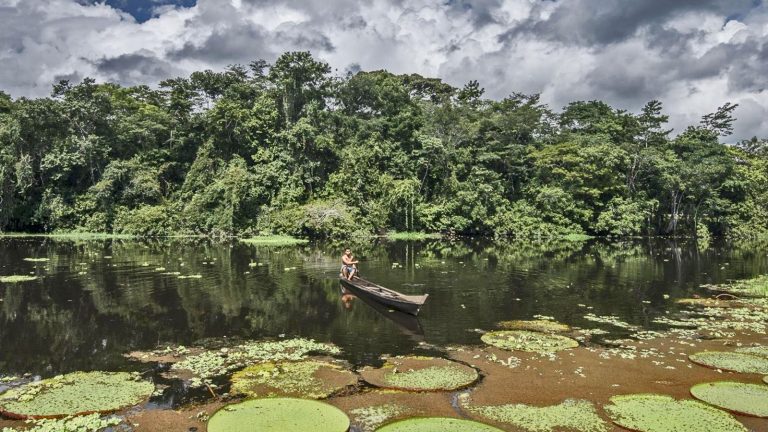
{"x":541,"y":325}
{"x":661,"y":413}
{"x":437,"y":424}
{"x":761,"y":351}
{"x":523,"y":340}
{"x":212,"y":363}
{"x":279,"y":415}
{"x":369,"y":418}
{"x":757,"y":287}
{"x":731,"y":361}
{"x":570,"y":415}
{"x":86,"y":423}
{"x":75,"y":393}
{"x":420,"y":374}
{"x":17,"y":278}
{"x":741,"y":398}
{"x":307,"y":379}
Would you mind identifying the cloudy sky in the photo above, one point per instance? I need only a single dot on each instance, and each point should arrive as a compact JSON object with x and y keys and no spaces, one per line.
{"x":693,"y":55}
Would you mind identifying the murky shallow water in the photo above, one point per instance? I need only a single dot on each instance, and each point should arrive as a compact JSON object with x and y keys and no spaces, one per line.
{"x":93,"y":301}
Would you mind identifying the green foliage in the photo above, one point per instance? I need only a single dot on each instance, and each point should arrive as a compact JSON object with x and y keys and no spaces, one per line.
{"x":421,"y":374}
{"x":741,"y":398}
{"x":523,"y":340}
{"x":306,"y":379}
{"x":279,"y":415}
{"x":571,"y":415}
{"x":288,"y":148}
{"x":86,"y":423}
{"x":731,"y":361}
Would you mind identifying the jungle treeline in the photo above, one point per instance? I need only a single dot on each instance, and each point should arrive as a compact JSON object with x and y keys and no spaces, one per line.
{"x":292,"y":148}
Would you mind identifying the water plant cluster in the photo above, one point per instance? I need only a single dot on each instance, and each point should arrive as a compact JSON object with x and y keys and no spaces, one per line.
{"x":84,"y":423}
{"x":576,"y":415}
{"x":420,"y":374}
{"x":523,"y":340}
{"x":306,"y":379}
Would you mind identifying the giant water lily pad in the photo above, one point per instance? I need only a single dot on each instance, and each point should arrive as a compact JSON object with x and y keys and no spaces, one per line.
{"x":279,"y":415}
{"x":75,"y":393}
{"x":571,"y":415}
{"x":523,"y":340}
{"x":761,"y":351}
{"x":765,"y":379}
{"x":437,"y":424}
{"x":420,"y":374}
{"x":545,"y":326}
{"x":306,"y":379}
{"x":731,"y":361}
{"x":661,"y":413}
{"x":741,"y":398}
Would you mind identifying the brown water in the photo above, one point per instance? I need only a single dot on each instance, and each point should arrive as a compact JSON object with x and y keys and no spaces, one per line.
{"x":95,"y":300}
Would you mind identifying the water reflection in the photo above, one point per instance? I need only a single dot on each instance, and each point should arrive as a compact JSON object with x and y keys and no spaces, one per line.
{"x":95,"y":300}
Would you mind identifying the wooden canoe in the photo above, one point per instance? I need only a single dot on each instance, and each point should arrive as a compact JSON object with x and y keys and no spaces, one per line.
{"x":405,"y":303}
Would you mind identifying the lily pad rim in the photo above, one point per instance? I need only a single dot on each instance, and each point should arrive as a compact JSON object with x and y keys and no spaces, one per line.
{"x":723,"y":407}
{"x":383,"y":427}
{"x":725,"y":352}
{"x":272,"y":399}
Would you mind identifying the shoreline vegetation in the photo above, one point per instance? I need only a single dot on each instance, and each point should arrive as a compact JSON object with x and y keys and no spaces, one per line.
{"x":290,"y":148}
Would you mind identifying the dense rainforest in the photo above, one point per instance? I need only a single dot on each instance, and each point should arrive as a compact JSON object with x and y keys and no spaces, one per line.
{"x":290,"y":148}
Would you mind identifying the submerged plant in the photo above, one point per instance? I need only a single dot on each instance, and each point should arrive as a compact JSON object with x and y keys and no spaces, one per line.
{"x":279,"y":415}
{"x":421,"y":374}
{"x":523,"y":340}
{"x":661,"y":413}
{"x":570,"y":415}
{"x":17,"y":278}
{"x":307,"y":379}
{"x":741,"y":398}
{"x":75,"y":393}
{"x":437,"y":424}
{"x":731,"y":361}
{"x":541,"y":325}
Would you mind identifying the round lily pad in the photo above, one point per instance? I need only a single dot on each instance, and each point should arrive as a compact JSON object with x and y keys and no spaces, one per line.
{"x":523,"y":340}
{"x":307,"y":379}
{"x":731,"y":361}
{"x":437,"y":424}
{"x":741,"y":398}
{"x":279,"y":415}
{"x":420,"y":374}
{"x":761,"y":351}
{"x":544,"y":326}
{"x":74,"y":394}
{"x":661,"y":413}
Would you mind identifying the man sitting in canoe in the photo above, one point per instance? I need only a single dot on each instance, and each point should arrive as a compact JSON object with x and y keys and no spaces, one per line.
{"x":348,"y":264}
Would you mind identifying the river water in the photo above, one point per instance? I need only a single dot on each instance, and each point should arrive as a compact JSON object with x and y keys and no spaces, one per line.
{"x":93,"y":301}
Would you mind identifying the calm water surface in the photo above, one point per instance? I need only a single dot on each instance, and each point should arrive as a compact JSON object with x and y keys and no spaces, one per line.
{"x":93,"y":301}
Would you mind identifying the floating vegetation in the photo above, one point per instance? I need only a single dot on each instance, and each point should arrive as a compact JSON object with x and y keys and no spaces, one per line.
{"x":437,"y":424}
{"x":274,"y":240}
{"x":741,"y":398}
{"x":75,"y":393}
{"x":37,"y":260}
{"x":87,"y":423}
{"x":755,"y":287}
{"x":306,"y":379}
{"x":570,"y":415}
{"x":17,"y":278}
{"x":522,"y":340}
{"x":212,"y":363}
{"x":193,"y":276}
{"x":420,"y":374}
{"x":708,"y":302}
{"x":661,"y":413}
{"x":279,"y":415}
{"x":541,"y":325}
{"x":765,"y":379}
{"x":731,"y":361}
{"x":761,"y":351}
{"x":610,"y":319}
{"x":369,"y":418}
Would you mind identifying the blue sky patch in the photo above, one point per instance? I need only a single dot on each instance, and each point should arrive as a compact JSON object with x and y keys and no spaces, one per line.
{"x":142,"y":9}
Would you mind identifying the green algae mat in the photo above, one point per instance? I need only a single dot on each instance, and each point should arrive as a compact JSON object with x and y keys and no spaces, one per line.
{"x":570,"y":415}
{"x":661,"y":413}
{"x":306,"y":379}
{"x":279,"y":415}
{"x":74,"y":394}
{"x":741,"y":398}
{"x":731,"y":361}
{"x":523,"y":340}
{"x":544,"y":326}
{"x":420,"y":374}
{"x":437,"y":424}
